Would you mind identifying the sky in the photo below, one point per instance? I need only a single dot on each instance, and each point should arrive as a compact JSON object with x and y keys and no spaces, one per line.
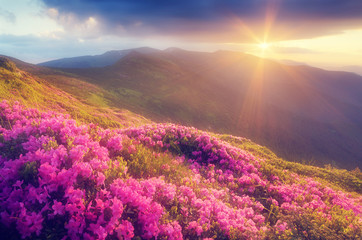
{"x":325,"y":33}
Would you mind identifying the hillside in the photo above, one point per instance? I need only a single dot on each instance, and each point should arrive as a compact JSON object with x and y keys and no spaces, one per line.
{"x":302,"y":113}
{"x":84,"y":102}
{"x":66,"y":178}
{"x":166,"y":181}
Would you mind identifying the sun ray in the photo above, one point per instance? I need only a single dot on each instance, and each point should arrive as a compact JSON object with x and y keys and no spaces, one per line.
{"x":251,"y":106}
{"x":271,"y":13}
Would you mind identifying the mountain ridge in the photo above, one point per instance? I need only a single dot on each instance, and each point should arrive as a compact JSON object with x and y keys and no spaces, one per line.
{"x":102,"y":60}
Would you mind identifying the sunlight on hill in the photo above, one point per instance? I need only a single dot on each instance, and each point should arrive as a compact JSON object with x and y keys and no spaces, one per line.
{"x":252,"y":102}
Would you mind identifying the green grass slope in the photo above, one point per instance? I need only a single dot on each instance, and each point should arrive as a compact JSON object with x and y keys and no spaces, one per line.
{"x":336,"y":178}
{"x":82,"y":101}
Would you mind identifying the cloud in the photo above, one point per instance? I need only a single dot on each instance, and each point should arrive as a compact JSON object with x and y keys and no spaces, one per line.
{"x":8,"y":16}
{"x":219,"y":20}
{"x":294,"y":50}
{"x":35,"y":49}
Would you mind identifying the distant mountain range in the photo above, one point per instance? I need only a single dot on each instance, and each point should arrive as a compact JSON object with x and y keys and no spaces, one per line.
{"x":102,"y":60}
{"x":351,"y":68}
{"x":302,"y":113}
{"x":111,"y":57}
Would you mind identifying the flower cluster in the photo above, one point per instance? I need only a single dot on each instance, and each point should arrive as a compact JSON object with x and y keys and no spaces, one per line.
{"x":60,"y":180}
{"x":53,"y":175}
{"x":216,"y":162}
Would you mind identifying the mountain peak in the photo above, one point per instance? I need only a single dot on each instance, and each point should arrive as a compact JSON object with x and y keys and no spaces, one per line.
{"x":173,"y":49}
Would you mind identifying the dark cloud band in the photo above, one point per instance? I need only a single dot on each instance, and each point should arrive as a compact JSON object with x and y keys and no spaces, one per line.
{"x":172,"y":17}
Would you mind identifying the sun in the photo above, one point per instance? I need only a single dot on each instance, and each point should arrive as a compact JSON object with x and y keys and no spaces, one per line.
{"x":264,"y":45}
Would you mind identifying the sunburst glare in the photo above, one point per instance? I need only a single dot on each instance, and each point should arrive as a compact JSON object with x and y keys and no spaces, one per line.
{"x":264,"y":45}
